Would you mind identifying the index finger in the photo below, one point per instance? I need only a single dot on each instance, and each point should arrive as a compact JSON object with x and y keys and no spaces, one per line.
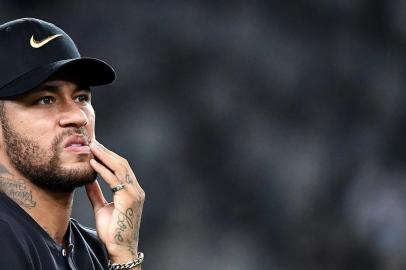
{"x":105,"y":149}
{"x":105,"y":157}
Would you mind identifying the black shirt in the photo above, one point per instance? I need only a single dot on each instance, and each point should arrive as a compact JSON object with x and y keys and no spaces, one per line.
{"x":25,"y":245}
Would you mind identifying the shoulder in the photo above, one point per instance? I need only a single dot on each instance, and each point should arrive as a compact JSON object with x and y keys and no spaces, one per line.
{"x":14,"y":249}
{"x":6,"y":228}
{"x":14,"y":220}
{"x":10,"y":234}
{"x":15,"y":234}
{"x":11,"y":226}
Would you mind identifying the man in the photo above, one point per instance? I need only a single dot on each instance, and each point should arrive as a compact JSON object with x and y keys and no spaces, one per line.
{"x":48,"y":148}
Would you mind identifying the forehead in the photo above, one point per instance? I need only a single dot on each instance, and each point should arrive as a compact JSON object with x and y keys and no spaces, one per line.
{"x":59,"y":85}
{"x":62,"y":80}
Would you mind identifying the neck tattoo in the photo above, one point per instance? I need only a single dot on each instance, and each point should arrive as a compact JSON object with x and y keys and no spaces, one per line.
{"x":17,"y":190}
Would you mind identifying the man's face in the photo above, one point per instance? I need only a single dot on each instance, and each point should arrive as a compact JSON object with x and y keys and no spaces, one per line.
{"x":46,"y":134}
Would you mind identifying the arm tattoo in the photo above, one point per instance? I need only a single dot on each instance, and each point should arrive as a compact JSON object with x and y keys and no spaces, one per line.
{"x":18,"y":191}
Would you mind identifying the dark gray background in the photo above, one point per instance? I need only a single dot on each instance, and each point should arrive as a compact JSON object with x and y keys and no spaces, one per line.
{"x":267,"y":135}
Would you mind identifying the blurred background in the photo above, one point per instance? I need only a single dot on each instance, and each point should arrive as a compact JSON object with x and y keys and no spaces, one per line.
{"x":266,"y":134}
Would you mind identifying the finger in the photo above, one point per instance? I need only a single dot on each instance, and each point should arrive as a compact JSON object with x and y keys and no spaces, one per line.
{"x":118,"y":165}
{"x":111,"y":179}
{"x":106,"y":158}
{"x":95,"y":195}
{"x":106,"y":149}
{"x":132,"y":180}
{"x":104,"y":172}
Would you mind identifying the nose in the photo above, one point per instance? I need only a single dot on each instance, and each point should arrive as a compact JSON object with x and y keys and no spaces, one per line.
{"x":73,"y":116}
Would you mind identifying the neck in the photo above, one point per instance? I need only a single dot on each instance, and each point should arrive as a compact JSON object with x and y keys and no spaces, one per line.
{"x":51,"y":210}
{"x":52,"y":213}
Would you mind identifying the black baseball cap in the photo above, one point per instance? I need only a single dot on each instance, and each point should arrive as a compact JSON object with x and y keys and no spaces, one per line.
{"x":32,"y":50}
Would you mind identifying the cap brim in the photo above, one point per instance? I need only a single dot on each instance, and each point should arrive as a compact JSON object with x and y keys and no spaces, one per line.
{"x":90,"y":71}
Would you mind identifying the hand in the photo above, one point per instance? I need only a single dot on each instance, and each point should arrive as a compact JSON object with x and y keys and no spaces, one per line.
{"x":117,"y":223}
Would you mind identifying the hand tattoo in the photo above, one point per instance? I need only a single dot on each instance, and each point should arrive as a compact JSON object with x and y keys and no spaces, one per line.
{"x":128,"y":179}
{"x":124,"y":222}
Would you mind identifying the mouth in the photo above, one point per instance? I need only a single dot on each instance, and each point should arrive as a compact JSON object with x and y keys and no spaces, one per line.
{"x":77,"y":144}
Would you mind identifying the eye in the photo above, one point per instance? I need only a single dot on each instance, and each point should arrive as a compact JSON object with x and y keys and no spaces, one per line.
{"x":82,"y":98}
{"x":46,"y":100}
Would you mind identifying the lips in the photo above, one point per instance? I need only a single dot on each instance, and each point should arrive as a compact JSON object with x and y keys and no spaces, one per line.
{"x":77,"y":144}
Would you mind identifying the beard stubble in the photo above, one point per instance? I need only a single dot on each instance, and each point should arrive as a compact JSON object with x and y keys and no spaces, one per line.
{"x":43,"y":167}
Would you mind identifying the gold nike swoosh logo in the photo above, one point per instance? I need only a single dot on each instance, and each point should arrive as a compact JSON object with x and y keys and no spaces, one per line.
{"x":39,"y":43}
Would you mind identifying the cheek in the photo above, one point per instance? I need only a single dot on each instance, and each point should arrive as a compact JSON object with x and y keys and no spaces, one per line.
{"x":91,"y":118}
{"x":42,"y":139}
{"x":39,"y":130}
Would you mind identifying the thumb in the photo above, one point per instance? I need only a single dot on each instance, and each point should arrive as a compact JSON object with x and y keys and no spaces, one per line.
{"x":95,"y":195}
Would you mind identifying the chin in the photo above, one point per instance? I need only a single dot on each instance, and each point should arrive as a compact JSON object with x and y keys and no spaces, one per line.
{"x":63,"y":179}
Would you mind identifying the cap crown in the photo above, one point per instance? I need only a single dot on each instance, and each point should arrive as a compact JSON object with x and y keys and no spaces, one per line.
{"x":17,"y":54}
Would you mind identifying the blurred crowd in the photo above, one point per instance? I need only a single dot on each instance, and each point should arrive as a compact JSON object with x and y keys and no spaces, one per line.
{"x":266,"y":134}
